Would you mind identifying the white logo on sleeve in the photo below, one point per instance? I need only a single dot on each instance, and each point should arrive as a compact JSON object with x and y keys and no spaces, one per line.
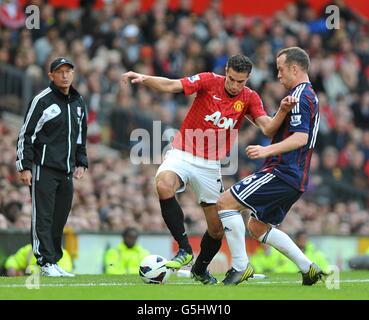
{"x":51,"y":112}
{"x":295,"y":120}
{"x":194,"y":78}
{"x":216,"y":98}
{"x":221,"y":122}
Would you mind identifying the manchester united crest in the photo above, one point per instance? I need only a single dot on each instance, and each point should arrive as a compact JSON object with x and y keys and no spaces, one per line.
{"x":238,"y":106}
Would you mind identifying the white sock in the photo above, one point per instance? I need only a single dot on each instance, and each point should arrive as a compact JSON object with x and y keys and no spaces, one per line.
{"x":234,"y":230}
{"x":284,"y":244}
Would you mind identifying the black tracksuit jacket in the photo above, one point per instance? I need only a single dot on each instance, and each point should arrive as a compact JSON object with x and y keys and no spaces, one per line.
{"x":54,"y":132}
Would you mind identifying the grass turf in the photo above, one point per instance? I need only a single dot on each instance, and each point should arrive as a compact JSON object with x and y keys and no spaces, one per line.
{"x":352,"y":285}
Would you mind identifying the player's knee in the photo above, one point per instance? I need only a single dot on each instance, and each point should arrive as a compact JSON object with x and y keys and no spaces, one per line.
{"x":222,"y":202}
{"x":165,"y":190}
{"x":251,"y":232}
{"x":216,"y":233}
{"x":256,"y":228}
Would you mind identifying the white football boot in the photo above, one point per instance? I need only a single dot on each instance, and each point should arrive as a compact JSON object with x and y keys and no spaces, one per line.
{"x":63,"y":272}
{"x":49,"y":270}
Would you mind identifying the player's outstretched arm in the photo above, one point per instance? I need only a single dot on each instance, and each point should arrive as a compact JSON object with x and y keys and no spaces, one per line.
{"x":294,"y":141}
{"x":269,"y":125}
{"x":160,"y":84}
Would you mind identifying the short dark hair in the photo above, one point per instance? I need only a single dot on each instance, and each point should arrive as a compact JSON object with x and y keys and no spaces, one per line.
{"x":297,"y":55}
{"x":130,"y":231}
{"x":239,"y":63}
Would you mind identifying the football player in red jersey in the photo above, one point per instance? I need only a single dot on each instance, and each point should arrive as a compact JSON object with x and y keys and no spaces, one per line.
{"x":221,"y":104}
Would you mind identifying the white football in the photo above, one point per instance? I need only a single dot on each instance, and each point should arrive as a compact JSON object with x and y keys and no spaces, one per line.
{"x":153,"y":269}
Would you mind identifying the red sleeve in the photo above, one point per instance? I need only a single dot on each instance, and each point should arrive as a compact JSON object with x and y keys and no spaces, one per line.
{"x":255,"y":108}
{"x":197,"y":82}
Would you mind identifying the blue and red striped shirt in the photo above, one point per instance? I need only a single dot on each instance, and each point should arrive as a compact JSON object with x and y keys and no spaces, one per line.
{"x":293,"y":167}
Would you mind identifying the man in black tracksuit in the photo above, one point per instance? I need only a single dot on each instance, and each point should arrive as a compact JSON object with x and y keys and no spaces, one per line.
{"x":51,"y":150}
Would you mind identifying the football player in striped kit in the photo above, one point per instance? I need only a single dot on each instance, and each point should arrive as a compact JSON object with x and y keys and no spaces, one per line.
{"x":271,"y":191}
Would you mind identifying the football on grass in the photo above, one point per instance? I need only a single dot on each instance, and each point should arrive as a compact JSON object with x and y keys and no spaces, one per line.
{"x":153,"y":269}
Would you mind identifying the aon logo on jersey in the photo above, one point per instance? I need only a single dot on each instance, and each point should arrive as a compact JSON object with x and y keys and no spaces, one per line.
{"x":221,"y":122}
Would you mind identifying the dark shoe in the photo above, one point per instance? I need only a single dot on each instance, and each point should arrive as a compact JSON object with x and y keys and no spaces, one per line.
{"x":181,"y":259}
{"x":205,"y":278}
{"x":313,"y":275}
{"x":234,"y":277}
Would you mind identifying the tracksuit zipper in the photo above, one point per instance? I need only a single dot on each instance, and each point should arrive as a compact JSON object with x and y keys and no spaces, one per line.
{"x":43,"y":154}
{"x":69,"y":140}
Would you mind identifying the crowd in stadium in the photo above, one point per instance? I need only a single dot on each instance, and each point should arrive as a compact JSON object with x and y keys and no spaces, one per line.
{"x":115,"y":193}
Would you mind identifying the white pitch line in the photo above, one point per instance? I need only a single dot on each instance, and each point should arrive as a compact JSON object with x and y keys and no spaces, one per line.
{"x":106,"y":284}
{"x":292,"y":282}
{"x":91,"y":284}
{"x":66,"y":285}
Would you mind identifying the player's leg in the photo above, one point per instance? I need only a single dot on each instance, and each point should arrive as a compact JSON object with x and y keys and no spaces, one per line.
{"x":270,"y":201}
{"x":234,"y":228}
{"x":210,"y":245}
{"x":311,"y":273}
{"x":167,"y":183}
{"x":206,"y":183}
{"x":280,"y":241}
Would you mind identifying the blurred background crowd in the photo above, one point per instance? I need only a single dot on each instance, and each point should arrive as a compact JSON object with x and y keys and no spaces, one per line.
{"x":118,"y":37}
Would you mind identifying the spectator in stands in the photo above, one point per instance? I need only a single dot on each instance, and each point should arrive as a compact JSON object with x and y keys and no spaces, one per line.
{"x":333,"y":182}
{"x":3,"y":222}
{"x":361,"y":111}
{"x":11,"y":14}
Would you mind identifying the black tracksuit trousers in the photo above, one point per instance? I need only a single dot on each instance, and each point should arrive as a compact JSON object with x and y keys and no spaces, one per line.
{"x":52,"y":194}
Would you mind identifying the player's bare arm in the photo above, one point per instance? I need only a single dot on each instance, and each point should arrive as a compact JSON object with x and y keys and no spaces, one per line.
{"x":294,"y":141}
{"x":160,"y":84}
{"x":269,"y":126}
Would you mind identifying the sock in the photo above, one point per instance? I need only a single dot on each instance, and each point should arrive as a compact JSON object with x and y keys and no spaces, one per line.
{"x":234,"y":230}
{"x":284,"y":244}
{"x":209,"y":248}
{"x":174,"y":219}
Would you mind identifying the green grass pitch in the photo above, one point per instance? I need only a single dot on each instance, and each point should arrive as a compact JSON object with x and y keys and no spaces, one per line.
{"x":352,"y":285}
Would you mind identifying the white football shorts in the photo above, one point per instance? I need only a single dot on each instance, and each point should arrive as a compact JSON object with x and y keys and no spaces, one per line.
{"x":203,"y":175}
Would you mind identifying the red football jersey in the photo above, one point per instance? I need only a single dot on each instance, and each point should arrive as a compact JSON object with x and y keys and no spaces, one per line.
{"x":212,"y":122}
